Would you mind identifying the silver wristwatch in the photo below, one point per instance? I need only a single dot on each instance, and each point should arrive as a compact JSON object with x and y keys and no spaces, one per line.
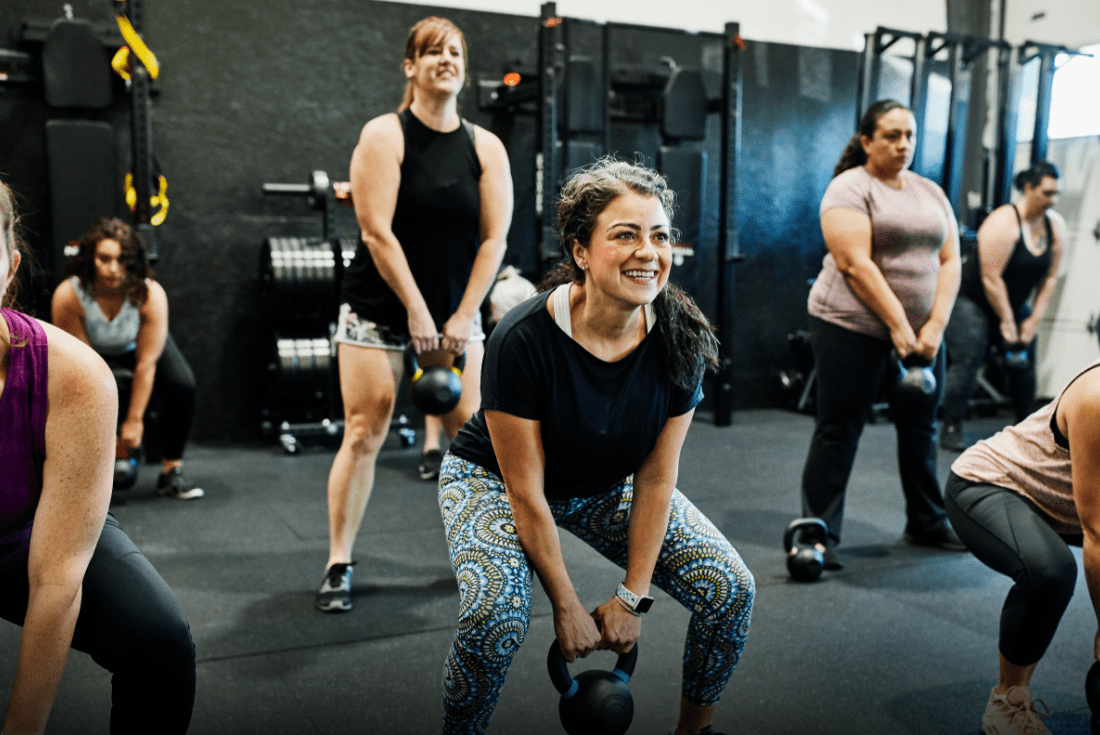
{"x":636,"y":604}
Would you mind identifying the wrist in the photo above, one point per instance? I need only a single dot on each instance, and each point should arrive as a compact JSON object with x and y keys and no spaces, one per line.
{"x":633,"y":602}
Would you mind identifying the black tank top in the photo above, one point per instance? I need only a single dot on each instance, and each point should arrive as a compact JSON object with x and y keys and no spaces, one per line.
{"x":1023,"y":272}
{"x":437,"y":222}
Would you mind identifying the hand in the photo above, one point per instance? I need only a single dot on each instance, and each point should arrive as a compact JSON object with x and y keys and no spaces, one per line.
{"x":1009,"y":333}
{"x":1028,"y":328}
{"x":577,"y":633}
{"x":1095,"y":649}
{"x":131,"y":432}
{"x":929,"y":340}
{"x":905,"y":341}
{"x":619,"y":629}
{"x":422,"y":332}
{"x":456,"y":333}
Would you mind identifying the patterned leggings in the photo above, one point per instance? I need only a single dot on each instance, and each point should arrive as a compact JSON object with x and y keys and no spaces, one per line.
{"x":697,"y":566}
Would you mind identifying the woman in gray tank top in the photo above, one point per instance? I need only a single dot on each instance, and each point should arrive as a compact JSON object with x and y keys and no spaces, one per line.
{"x":111,"y":302}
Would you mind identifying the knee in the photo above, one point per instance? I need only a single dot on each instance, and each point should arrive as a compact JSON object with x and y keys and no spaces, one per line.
{"x":163,"y":645}
{"x":1053,"y":581}
{"x":732,"y":591}
{"x":365,"y":431}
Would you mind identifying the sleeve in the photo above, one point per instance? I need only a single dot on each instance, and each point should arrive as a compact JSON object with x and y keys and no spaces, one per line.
{"x":847,"y":190}
{"x":513,"y":377}
{"x":682,"y":400}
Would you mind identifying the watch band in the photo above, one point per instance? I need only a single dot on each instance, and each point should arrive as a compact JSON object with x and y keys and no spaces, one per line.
{"x":636,"y":604}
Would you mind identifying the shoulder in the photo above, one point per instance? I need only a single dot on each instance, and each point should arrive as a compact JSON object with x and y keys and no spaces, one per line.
{"x":999,"y":222}
{"x":75,"y":370}
{"x":66,"y":292}
{"x":848,"y":189}
{"x":1058,"y":222}
{"x":488,"y":145}
{"x":928,"y":185}
{"x":1080,"y":404}
{"x":382,"y":132}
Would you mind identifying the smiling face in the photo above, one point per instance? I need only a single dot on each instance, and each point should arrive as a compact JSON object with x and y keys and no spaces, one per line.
{"x":890,"y":151}
{"x":109,"y":269}
{"x":629,"y":255}
{"x":440,"y":68}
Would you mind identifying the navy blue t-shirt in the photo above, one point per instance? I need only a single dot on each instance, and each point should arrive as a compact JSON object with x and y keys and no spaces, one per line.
{"x":598,"y":419}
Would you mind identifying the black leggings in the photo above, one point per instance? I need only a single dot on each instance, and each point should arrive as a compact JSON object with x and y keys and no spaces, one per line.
{"x":174,"y":386}
{"x":131,"y":624}
{"x":1011,"y":535}
{"x":850,"y":368}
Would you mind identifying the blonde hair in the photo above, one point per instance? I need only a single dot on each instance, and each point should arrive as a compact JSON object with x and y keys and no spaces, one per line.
{"x":8,"y":221}
{"x":426,"y":33}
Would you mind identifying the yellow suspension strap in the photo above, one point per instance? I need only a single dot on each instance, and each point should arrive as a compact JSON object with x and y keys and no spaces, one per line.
{"x":160,"y":199}
{"x":121,"y":61}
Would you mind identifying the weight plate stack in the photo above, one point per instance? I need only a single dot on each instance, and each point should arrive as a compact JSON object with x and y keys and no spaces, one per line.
{"x":299,"y":278}
{"x":300,"y":374}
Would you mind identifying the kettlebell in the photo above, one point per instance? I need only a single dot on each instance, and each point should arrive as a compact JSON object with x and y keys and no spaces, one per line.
{"x":1092,"y":695}
{"x":1016,"y":357}
{"x":804,"y":560}
{"x":916,"y":381}
{"x":435,"y":389}
{"x":126,"y":467}
{"x":595,"y":702}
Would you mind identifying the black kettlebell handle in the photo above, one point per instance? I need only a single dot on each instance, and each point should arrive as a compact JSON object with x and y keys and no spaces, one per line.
{"x":412,"y":365}
{"x":816,"y":525}
{"x":567,"y":685}
{"x":912,"y":360}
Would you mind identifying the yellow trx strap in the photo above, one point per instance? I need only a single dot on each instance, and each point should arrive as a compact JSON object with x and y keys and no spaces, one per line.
{"x":121,"y":61}
{"x":160,"y":199}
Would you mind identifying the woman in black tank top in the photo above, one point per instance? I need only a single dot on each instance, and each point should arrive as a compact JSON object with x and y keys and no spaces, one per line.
{"x":1019,"y":249}
{"x":433,"y":196}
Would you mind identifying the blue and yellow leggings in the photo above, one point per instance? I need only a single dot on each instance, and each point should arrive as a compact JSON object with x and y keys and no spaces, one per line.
{"x":697,"y":566}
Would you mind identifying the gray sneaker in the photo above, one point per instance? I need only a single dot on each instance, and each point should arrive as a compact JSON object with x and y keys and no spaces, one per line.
{"x":174,"y":484}
{"x":1013,"y":713}
{"x":335,"y":593}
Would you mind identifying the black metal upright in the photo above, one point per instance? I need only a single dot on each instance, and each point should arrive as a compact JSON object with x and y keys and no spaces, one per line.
{"x":548,"y":174}
{"x":141,"y":136}
{"x":729,"y":243}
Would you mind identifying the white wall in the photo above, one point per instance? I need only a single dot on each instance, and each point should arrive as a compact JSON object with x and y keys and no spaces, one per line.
{"x":829,"y":23}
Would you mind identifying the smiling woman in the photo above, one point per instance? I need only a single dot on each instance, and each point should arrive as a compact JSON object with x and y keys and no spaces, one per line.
{"x":588,"y":393}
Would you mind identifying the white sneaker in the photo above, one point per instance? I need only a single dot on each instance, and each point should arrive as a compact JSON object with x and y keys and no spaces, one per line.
{"x":1013,"y":713}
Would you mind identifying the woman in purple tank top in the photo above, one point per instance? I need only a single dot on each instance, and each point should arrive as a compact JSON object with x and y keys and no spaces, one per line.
{"x":58,"y":405}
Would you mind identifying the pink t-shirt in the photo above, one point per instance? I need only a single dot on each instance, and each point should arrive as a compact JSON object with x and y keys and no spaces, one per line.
{"x":908,"y":228}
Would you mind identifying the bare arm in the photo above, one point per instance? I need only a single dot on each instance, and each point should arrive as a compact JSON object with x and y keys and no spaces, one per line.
{"x":848,"y":238}
{"x":1030,"y":325}
{"x":76,"y":489}
{"x":496,"y":217}
{"x":518,"y":446}
{"x":67,"y":312}
{"x":375,"y":178}
{"x":150,"y":344}
{"x":947,"y":288}
{"x":1079,"y":408}
{"x":653,"y":485}
{"x":996,"y":240}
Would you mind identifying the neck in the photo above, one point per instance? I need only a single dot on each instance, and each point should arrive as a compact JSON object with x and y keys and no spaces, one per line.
{"x":614,"y":329}
{"x":1027,"y":211}
{"x":438,"y":113}
{"x":890,"y":177}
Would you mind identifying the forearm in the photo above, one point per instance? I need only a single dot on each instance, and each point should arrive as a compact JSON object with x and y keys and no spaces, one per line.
{"x":947,"y":289}
{"x":1042,"y":299}
{"x":538,"y":535}
{"x":393,"y":266}
{"x":1090,"y":555}
{"x":996,"y":293}
{"x":649,"y":514}
{"x":43,"y":650}
{"x":871,"y":287}
{"x":482,"y":276}
{"x":141,"y":388}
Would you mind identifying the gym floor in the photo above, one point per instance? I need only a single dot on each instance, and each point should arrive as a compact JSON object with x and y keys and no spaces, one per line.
{"x":903,"y":640}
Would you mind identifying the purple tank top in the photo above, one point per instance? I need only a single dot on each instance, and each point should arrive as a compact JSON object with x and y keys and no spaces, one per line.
{"x":22,"y":434}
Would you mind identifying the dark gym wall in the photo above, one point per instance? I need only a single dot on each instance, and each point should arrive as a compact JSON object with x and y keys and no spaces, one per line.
{"x":248,"y":93}
{"x":798,"y":113}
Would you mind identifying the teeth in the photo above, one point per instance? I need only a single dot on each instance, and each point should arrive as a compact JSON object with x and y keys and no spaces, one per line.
{"x":639,"y":274}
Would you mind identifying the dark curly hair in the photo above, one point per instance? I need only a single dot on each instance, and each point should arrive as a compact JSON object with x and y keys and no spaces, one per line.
{"x":1035,"y":174}
{"x":686,"y":336}
{"x":853,"y":154}
{"x":134,"y":262}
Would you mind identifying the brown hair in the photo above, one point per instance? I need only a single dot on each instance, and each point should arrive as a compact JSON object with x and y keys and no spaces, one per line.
{"x":853,"y":154}
{"x":134,"y":262}
{"x":686,"y":335}
{"x":8,"y":221}
{"x":426,"y":33}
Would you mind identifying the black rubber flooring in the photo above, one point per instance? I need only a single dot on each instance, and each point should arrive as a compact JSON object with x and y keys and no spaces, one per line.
{"x":903,"y":640}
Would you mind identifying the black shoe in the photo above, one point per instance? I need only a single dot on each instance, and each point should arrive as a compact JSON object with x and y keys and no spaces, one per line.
{"x":428,"y":469}
{"x":944,"y":538}
{"x":832,"y":561}
{"x":951,"y":437}
{"x":174,"y":484}
{"x":335,"y":593}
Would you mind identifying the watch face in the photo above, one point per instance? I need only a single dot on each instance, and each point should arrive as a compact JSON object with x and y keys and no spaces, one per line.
{"x":643,"y":604}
